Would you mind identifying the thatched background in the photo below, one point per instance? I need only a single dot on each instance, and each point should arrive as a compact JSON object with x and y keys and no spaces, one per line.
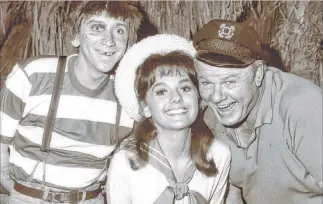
{"x":292,"y":29}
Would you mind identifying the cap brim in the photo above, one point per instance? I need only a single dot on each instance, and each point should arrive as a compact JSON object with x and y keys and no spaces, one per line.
{"x":221,"y":60}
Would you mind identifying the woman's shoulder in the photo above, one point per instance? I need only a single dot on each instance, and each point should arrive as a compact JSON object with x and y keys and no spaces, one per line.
{"x":220,"y":152}
{"x":120,"y":159}
{"x":126,"y":156}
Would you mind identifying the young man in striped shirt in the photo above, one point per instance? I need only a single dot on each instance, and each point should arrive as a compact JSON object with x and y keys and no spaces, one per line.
{"x":84,"y":134}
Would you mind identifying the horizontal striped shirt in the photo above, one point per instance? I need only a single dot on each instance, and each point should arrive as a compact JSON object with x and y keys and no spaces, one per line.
{"x":84,"y":131}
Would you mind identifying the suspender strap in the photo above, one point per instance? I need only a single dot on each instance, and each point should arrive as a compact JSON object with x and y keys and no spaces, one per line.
{"x":116,"y":132}
{"x":51,"y":116}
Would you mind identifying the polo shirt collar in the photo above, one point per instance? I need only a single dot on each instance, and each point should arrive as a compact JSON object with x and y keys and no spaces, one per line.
{"x":265,"y":109}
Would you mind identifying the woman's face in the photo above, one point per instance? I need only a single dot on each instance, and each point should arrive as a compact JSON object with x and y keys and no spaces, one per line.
{"x":172,"y":101}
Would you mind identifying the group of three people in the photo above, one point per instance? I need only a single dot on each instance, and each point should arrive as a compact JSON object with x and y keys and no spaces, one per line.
{"x":205,"y":113}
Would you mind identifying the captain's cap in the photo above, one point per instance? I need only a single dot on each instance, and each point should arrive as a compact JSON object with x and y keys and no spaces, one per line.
{"x":225,"y":43}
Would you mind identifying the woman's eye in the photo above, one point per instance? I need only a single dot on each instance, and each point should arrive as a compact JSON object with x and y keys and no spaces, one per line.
{"x":161,"y":92}
{"x":97,"y":28}
{"x":120,"y":31}
{"x":187,"y":88}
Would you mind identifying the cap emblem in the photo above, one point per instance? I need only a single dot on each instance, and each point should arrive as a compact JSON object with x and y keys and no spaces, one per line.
{"x":226,"y":31}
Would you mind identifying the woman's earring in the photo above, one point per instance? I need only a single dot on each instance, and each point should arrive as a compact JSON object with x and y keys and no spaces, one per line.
{"x":147,"y":112}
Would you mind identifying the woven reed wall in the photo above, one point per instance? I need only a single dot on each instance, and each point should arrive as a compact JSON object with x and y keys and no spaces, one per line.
{"x":293,"y":30}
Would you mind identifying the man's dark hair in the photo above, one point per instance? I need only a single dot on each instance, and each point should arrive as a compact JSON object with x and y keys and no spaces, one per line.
{"x":123,"y":10}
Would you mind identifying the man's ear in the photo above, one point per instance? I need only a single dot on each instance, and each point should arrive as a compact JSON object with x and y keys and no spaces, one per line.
{"x":76,"y":41}
{"x":259,"y":73}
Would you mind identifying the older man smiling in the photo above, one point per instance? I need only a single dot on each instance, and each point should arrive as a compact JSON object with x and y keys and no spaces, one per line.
{"x":271,"y":120}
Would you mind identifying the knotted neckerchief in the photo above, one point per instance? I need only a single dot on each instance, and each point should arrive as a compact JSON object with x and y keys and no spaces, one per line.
{"x":176,"y":190}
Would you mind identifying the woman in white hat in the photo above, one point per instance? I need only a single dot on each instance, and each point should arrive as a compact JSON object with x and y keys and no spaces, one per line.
{"x":172,"y":157}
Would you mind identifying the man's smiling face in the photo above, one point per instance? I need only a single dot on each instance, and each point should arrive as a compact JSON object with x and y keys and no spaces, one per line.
{"x":231,"y":93}
{"x":103,"y":41}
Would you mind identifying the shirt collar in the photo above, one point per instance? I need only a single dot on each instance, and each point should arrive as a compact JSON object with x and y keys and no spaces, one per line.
{"x":77,"y":84}
{"x":272,"y":83}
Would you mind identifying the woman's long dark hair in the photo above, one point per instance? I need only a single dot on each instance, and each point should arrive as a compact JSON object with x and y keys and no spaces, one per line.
{"x":144,"y":131}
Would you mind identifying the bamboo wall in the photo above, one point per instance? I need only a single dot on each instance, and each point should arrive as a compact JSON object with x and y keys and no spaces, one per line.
{"x":293,"y":30}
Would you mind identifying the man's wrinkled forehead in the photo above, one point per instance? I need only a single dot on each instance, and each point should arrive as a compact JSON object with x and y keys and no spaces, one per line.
{"x":208,"y":70}
{"x":222,"y":75}
{"x":219,"y":72}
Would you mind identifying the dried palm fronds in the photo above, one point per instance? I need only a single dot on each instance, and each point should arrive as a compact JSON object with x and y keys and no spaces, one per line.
{"x":48,"y":28}
{"x":185,"y":17}
{"x":11,"y":14}
{"x":14,"y":49}
{"x":293,"y":29}
{"x":299,"y":38}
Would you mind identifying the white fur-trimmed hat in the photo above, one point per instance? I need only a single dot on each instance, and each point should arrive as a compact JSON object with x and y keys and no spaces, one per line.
{"x":126,"y":72}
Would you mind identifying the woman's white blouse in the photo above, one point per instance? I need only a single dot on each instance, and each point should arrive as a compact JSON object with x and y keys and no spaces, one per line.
{"x":143,"y":186}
